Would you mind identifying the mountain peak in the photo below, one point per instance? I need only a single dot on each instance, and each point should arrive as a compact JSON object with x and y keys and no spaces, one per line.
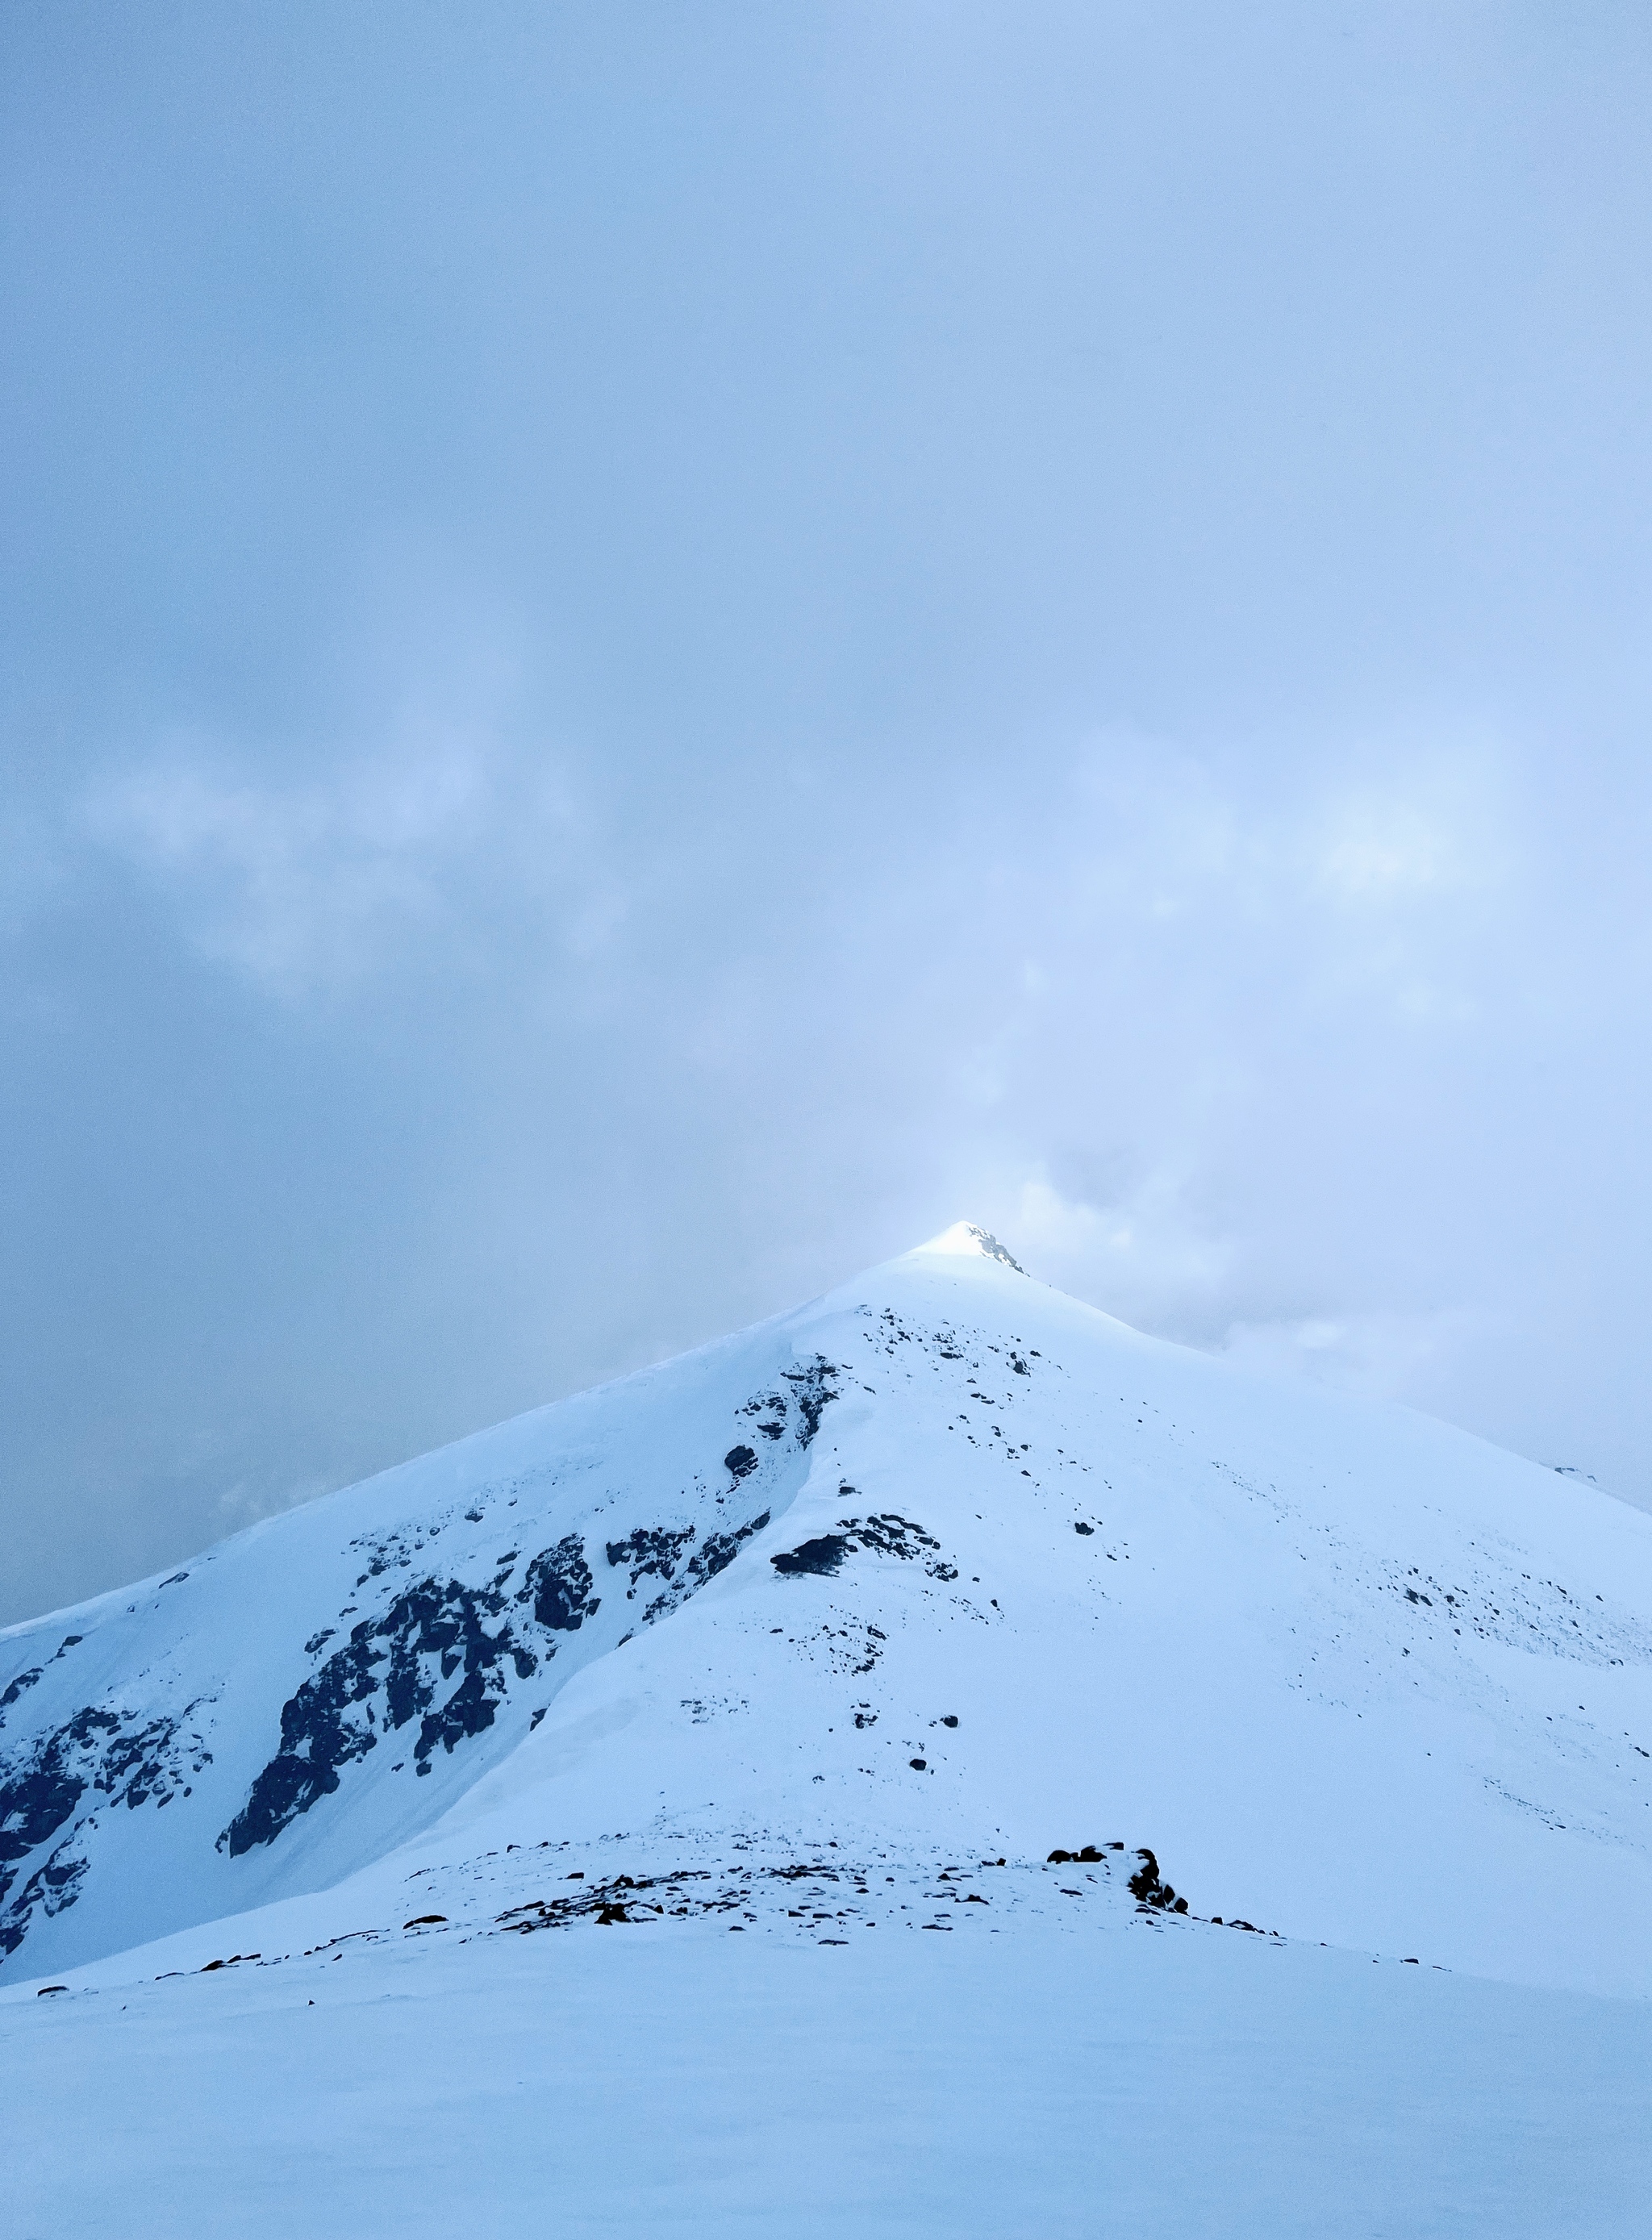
{"x":965,"y":1238}
{"x":928,"y":1568}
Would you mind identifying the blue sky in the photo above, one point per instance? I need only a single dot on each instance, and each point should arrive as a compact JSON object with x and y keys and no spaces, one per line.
{"x":645,"y":652}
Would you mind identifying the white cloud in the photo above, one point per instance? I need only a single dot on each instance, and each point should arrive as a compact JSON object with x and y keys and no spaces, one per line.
{"x":1386,"y":849}
{"x":295,"y":885}
{"x":1136,"y":1255}
{"x":1385,"y":1355}
{"x":314,"y":884}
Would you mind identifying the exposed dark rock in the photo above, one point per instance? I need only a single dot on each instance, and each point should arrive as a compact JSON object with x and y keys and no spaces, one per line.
{"x":559,"y":1586}
{"x":469,"y":1711}
{"x":651,"y":1549}
{"x":814,"y":1390}
{"x":429,"y":1633}
{"x":823,"y":1557}
{"x":21,"y":1685}
{"x":435,"y":1632}
{"x":438,"y":1658}
{"x":1150,"y":1891}
{"x":51,"y":1889}
{"x":99,"y":1756}
{"x":720,"y":1550}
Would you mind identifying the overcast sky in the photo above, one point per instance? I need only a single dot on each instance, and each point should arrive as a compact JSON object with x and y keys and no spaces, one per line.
{"x":649,"y":650}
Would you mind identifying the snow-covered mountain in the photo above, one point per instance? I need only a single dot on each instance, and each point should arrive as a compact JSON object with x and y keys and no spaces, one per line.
{"x":944,"y":1568}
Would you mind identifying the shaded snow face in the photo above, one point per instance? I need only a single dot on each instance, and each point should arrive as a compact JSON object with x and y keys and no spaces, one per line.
{"x":401,"y":1667}
{"x":442,"y":1648}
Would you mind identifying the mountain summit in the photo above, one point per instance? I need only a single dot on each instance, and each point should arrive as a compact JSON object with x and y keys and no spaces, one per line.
{"x":964,"y":1237}
{"x":944,"y":1566}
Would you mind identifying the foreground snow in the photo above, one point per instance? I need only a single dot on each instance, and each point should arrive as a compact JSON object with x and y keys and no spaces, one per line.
{"x":1134,"y":2077}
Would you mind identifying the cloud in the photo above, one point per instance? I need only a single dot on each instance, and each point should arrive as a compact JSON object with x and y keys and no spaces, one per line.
{"x":1144,"y":1252}
{"x":313,"y":884}
{"x":309,"y":864}
{"x":1384,"y":1356}
{"x":298,"y":885}
{"x":1432,"y":821}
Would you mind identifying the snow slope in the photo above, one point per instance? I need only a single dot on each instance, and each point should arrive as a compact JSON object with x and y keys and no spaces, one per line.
{"x":1150,"y":2079}
{"x":940,"y":1569}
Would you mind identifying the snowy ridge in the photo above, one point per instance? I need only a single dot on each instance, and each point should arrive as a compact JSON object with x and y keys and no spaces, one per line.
{"x":945,"y":1569}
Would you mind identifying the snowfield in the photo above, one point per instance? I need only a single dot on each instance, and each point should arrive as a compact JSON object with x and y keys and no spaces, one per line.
{"x":657,"y":1797}
{"x":1121,"y":2080}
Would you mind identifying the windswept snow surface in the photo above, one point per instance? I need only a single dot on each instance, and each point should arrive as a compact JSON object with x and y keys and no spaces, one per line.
{"x":1110,"y":2078}
{"x":749,"y":1697}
